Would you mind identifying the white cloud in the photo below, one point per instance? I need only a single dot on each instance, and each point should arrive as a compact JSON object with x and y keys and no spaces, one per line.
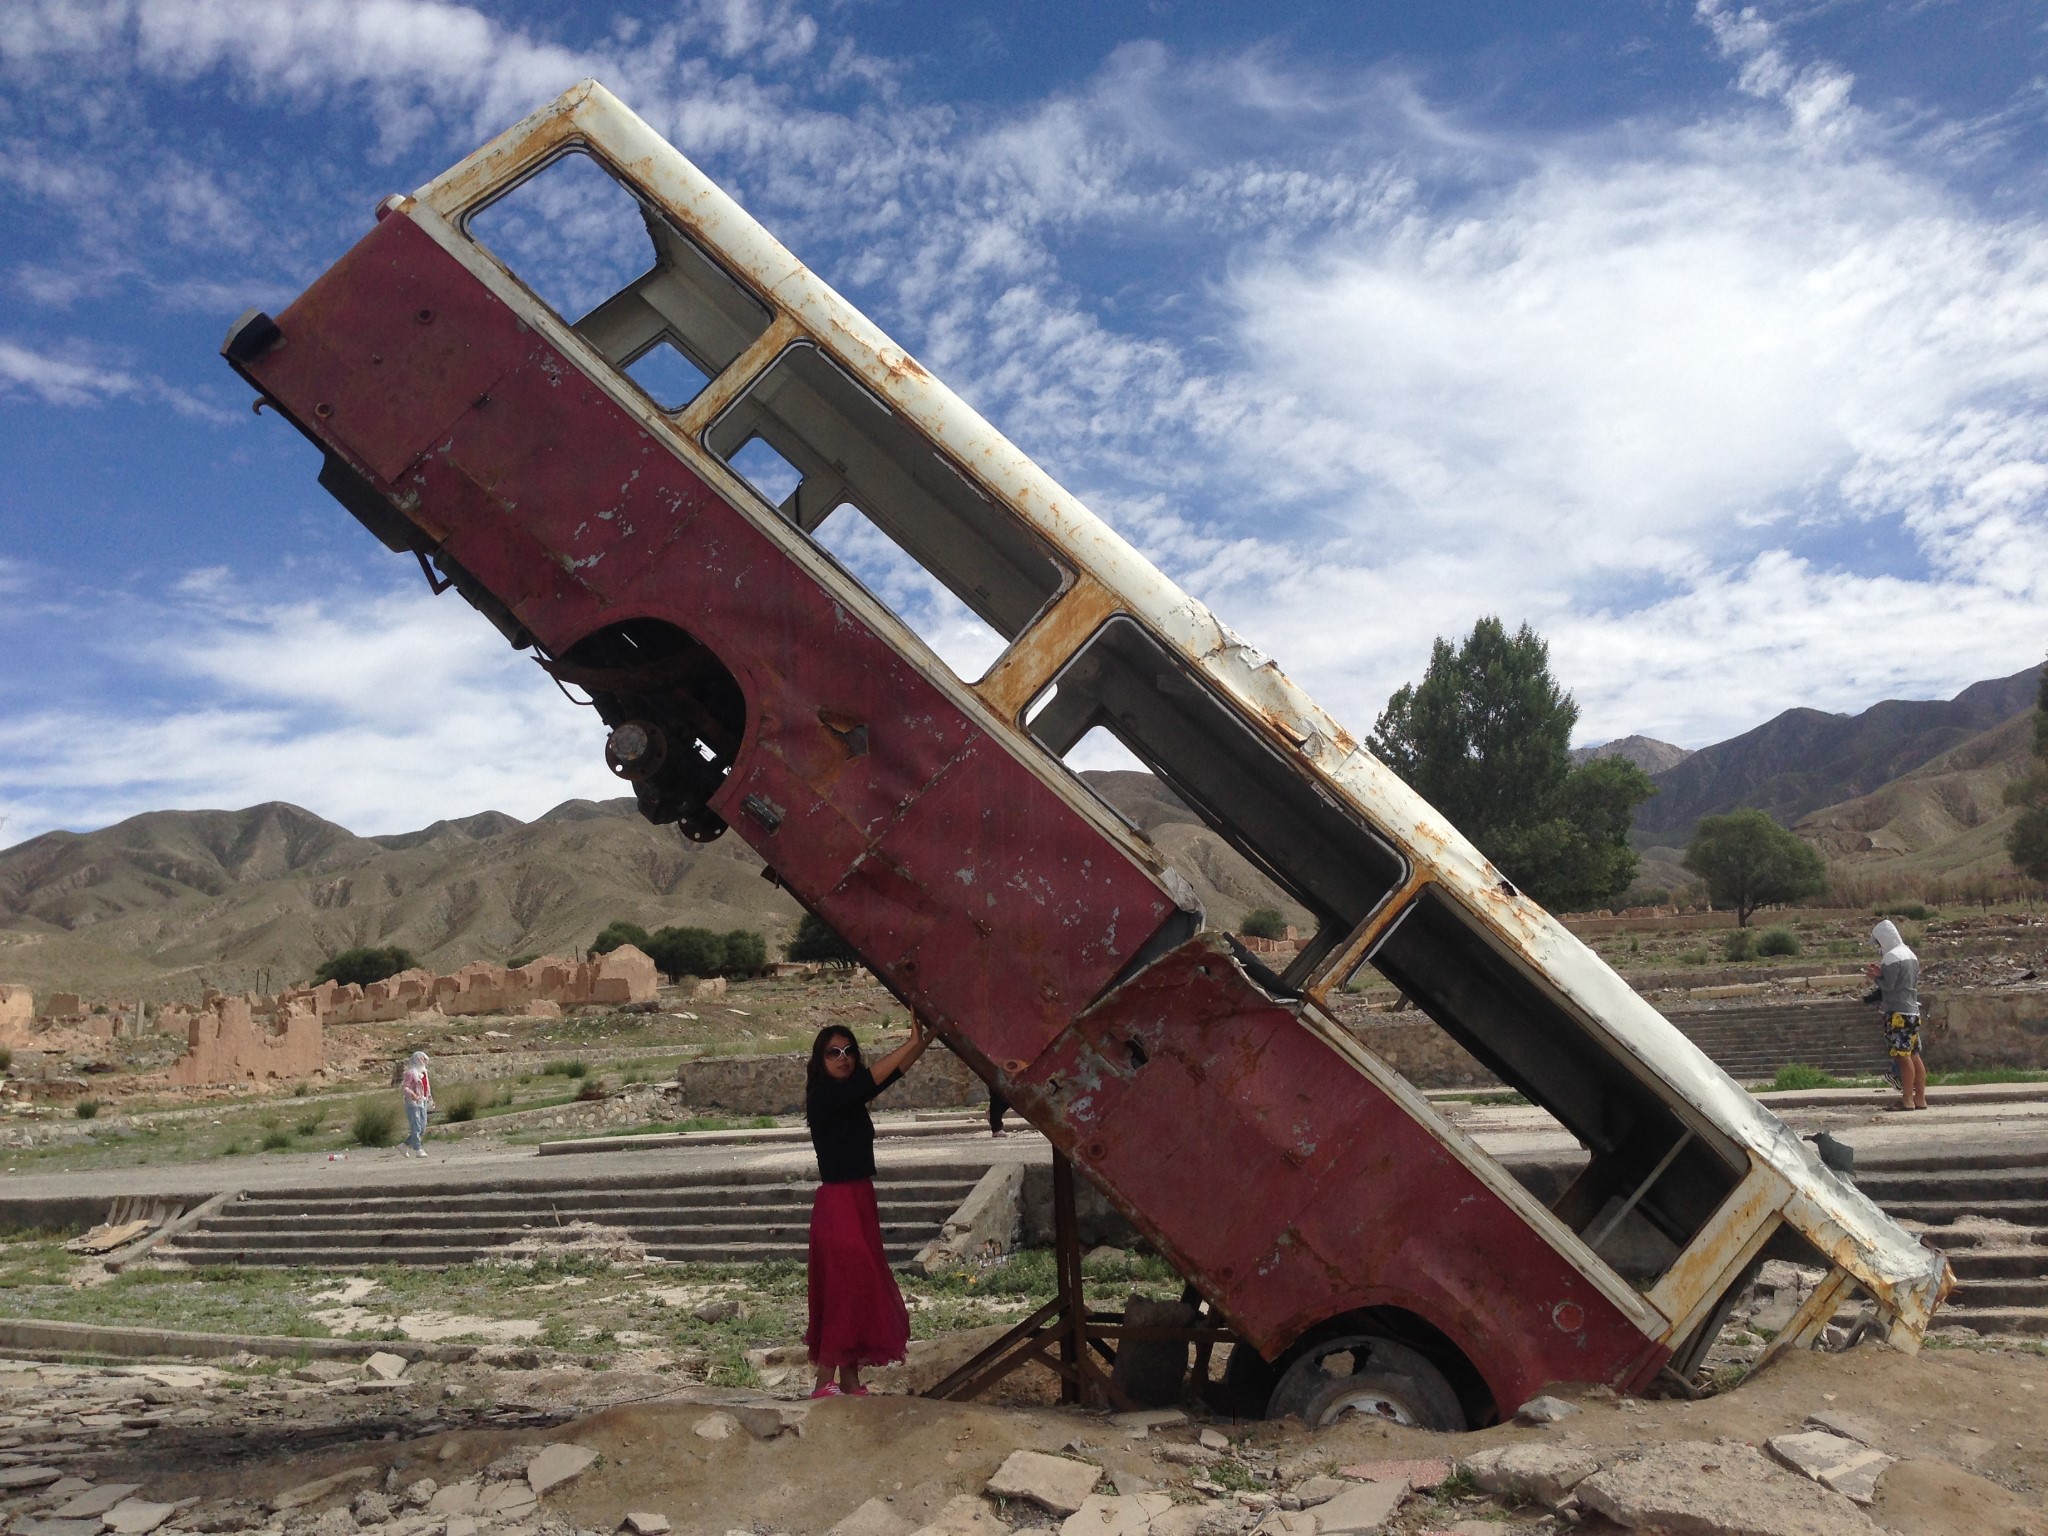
{"x":79,"y":381}
{"x":382,"y":712}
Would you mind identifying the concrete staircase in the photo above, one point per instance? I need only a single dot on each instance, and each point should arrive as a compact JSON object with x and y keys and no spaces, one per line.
{"x":1751,"y":1044}
{"x":725,"y":1217}
{"x":1989,"y":1213}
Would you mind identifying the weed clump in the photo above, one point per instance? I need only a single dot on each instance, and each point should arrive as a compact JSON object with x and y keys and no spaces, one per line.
{"x":374,"y":1125}
{"x":566,"y":1069}
{"x":1799,"y":1076}
{"x":462,"y":1107}
{"x":1780,"y":940}
{"x":87,"y":1109}
{"x":277,"y":1139}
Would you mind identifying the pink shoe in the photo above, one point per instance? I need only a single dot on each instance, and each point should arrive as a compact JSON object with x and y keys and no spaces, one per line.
{"x":854,"y":1392}
{"x":830,"y":1389}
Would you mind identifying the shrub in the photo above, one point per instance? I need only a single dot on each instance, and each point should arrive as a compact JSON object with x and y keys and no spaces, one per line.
{"x":518,"y":960}
{"x":746,"y":952}
{"x":1263,"y":923}
{"x":681,"y":952}
{"x":1800,"y":1076}
{"x":1778,"y":940}
{"x":87,"y":1109}
{"x":591,"y":1088}
{"x":1691,"y":957}
{"x":462,"y":1107}
{"x":6,"y":1058}
{"x":815,"y":940}
{"x":276,"y":1139}
{"x":310,"y":1126}
{"x":1913,"y":910}
{"x":301,"y":1088}
{"x":375,"y":1124}
{"x":621,"y":932}
{"x":360,"y":967}
{"x":1737,"y":945}
{"x":1656,"y":896}
{"x":565,"y":1069}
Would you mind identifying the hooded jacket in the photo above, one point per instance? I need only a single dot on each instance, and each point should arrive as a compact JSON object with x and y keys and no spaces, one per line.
{"x":1898,"y":986}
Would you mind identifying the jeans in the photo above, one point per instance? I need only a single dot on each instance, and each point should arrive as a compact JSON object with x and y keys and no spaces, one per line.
{"x":416,"y":1123}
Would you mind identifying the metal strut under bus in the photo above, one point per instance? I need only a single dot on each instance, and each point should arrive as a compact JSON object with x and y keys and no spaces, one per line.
{"x":1067,"y":1325}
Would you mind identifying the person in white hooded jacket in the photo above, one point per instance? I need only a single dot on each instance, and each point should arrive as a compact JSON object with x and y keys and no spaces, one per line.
{"x":417,"y":1088}
{"x":1897,"y":995}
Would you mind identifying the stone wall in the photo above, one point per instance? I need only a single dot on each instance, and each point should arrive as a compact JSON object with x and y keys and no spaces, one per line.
{"x":17,"y":1015}
{"x":1415,"y":1047}
{"x":2001,"y":1028}
{"x":774,"y":1085}
{"x":226,"y":1043}
{"x":544,"y":987}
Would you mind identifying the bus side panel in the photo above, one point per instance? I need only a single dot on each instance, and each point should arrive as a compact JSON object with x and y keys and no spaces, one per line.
{"x":1291,"y":1188}
{"x":985,"y":899}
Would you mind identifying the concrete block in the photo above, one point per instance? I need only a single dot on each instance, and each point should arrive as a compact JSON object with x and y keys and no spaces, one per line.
{"x":646,"y":1523}
{"x":455,"y":1499}
{"x":95,"y":1501}
{"x":876,"y":1517}
{"x":385,"y":1366}
{"x":137,"y":1517}
{"x":1545,"y":1473}
{"x":1710,"y":1488}
{"x":1053,"y":1482}
{"x":1834,"y":1461}
{"x":1360,"y":1510}
{"x":14,"y":1479}
{"x":557,"y":1464}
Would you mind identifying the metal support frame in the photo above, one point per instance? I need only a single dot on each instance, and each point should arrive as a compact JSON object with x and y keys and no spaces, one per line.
{"x":1076,"y":1344}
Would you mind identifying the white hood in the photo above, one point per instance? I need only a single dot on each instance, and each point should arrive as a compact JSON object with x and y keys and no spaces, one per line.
{"x":1886,"y":937}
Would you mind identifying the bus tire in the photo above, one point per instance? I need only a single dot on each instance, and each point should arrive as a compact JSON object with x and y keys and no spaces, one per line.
{"x":1356,"y":1373}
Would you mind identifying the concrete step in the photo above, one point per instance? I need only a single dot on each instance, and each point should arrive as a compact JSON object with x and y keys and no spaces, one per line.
{"x":2021,"y":1320}
{"x":232,"y":1220}
{"x":1936,"y":1214}
{"x":1952,"y":1184}
{"x":1972,"y":1264}
{"x":575,"y":1197}
{"x":2021,"y":1291}
{"x":322,"y":1245}
{"x":442,"y":1258}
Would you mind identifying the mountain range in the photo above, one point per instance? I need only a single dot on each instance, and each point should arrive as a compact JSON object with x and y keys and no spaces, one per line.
{"x":163,"y":903}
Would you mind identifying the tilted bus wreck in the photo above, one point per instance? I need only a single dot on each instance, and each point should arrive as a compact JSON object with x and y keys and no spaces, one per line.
{"x":750,"y":682}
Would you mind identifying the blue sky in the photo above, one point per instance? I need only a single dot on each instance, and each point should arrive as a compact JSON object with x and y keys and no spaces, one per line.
{"x":1713,"y":342}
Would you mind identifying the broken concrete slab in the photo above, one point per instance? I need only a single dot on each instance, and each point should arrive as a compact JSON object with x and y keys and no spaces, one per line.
{"x":1053,"y":1482}
{"x":1545,"y":1410}
{"x":1848,"y":1426}
{"x":715,"y":1426}
{"x":1361,"y":1509}
{"x":646,"y":1523}
{"x":1287,"y":1522}
{"x":764,"y":1421}
{"x":461,"y":1525}
{"x":385,"y":1366}
{"x":1702,"y":1488}
{"x":506,"y":1501}
{"x":455,"y":1499}
{"x":556,"y":1464}
{"x":966,"y":1515}
{"x":1319,"y":1490}
{"x":1422,"y":1472}
{"x":1103,"y":1514}
{"x":94,"y":1501}
{"x":137,"y":1517}
{"x":876,"y":1517}
{"x":325,"y":1372}
{"x":1215,"y":1439}
{"x":1834,"y":1461}
{"x":1544,"y":1473}
{"x":50,"y":1526}
{"x":321,"y":1487}
{"x":13,"y":1479}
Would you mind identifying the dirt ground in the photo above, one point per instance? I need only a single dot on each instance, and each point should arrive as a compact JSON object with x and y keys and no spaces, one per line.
{"x":1968,"y":1427}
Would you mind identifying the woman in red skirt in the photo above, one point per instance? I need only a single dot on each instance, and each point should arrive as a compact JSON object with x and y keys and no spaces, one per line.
{"x":857,"y":1314}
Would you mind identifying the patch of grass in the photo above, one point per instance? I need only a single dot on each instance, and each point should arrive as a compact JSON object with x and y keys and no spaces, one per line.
{"x":1966,"y":1076}
{"x":6,"y":1058}
{"x":374,"y":1124}
{"x":310,"y":1125}
{"x":87,"y":1109}
{"x":592,"y":1089}
{"x":277,"y":1139}
{"x":301,"y":1089}
{"x":1235,"y":1476}
{"x":1799,"y":1077}
{"x":1691,"y":957}
{"x":462,"y":1107}
{"x":576,"y":1068}
{"x":1778,"y":940}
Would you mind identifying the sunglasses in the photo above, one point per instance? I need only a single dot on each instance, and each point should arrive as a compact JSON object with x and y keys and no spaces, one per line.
{"x":842,"y":1050}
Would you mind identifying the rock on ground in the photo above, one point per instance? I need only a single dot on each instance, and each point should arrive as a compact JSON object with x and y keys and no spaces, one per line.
{"x":1055,"y":1482}
{"x":876,"y":1517}
{"x":1545,"y":1410}
{"x":557,"y":1464}
{"x":1361,"y":1509}
{"x":1545,"y":1473}
{"x":1701,"y":1488}
{"x":1104,"y":1514}
{"x":646,"y":1523}
{"x":966,"y":1515}
{"x":1833,"y":1461}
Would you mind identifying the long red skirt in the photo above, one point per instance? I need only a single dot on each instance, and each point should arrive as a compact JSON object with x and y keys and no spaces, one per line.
{"x":857,"y":1314}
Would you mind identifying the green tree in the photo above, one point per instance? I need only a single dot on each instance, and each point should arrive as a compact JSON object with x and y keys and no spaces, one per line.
{"x":360,"y":967}
{"x":620,"y":932}
{"x":1264,"y":923}
{"x":1748,"y":861}
{"x":681,"y":952}
{"x":815,"y":941}
{"x":2028,"y":840}
{"x":746,"y":952}
{"x":1485,"y":737}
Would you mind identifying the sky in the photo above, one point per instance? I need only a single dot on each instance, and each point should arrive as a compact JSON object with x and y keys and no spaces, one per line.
{"x":1710,"y":341}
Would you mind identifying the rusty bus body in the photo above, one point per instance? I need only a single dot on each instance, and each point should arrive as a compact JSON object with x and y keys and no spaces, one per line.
{"x":1307,"y":1190}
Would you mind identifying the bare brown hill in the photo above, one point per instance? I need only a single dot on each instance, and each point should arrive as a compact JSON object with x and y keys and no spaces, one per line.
{"x":1646,"y":752}
{"x":161,"y":903}
{"x":1946,"y":817}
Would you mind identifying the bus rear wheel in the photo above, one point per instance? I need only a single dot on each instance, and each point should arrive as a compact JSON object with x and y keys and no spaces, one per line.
{"x":1376,"y":1378}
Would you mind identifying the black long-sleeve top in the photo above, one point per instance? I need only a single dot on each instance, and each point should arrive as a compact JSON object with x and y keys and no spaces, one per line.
{"x":836,"y":1110}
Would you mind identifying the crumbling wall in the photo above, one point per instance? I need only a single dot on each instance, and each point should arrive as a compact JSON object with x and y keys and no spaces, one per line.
{"x":2005,"y":1027}
{"x":542,"y":988}
{"x":17,"y":1015}
{"x":226,"y":1043}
